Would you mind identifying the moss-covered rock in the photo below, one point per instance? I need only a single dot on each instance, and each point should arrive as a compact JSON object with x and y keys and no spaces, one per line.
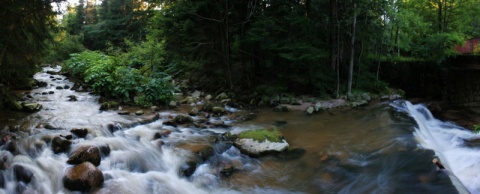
{"x":261,"y":141}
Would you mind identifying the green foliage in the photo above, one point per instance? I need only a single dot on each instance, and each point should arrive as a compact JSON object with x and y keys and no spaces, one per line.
{"x":437,"y":47}
{"x":260,"y":135}
{"x":63,"y":45}
{"x":113,"y":77}
{"x":476,"y":128}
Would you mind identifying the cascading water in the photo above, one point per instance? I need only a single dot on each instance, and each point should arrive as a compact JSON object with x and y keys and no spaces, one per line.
{"x":364,"y":150}
{"x":448,"y":142}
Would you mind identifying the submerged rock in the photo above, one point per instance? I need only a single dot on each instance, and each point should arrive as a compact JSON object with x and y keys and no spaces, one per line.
{"x":22,"y":174}
{"x":80,"y":132}
{"x":83,"y":177}
{"x":60,"y":144}
{"x":85,"y":154}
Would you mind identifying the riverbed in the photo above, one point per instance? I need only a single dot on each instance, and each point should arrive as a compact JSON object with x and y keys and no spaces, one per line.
{"x":384,"y":147}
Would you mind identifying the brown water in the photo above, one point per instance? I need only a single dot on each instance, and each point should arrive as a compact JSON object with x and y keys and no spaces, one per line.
{"x":364,"y":150}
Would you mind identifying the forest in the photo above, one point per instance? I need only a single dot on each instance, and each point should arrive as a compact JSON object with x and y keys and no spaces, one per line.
{"x":142,"y":51}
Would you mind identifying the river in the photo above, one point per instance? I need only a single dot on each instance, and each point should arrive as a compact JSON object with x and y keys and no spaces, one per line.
{"x":385,"y":147}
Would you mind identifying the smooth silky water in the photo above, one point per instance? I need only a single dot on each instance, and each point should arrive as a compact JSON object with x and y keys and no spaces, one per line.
{"x":382,"y":148}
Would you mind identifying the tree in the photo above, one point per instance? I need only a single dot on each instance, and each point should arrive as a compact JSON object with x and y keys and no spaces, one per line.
{"x":25,"y":28}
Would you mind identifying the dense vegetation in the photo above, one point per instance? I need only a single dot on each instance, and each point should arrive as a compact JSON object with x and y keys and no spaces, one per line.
{"x":321,"y":47}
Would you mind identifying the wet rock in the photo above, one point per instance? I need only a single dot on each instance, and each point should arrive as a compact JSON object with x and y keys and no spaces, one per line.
{"x":52,"y":72}
{"x":139,"y":112}
{"x":227,"y":169}
{"x":123,"y":112}
{"x":112,"y":127}
{"x":318,"y":107}
{"x":221,"y":96}
{"x":218,"y":110}
{"x":32,"y":107}
{"x":155,"y":108}
{"x":85,"y":154}
{"x":196,"y":94}
{"x":66,"y":87}
{"x":247,"y":117}
{"x":188,"y":168}
{"x":83,"y":177}
{"x":29,"y":96}
{"x":72,"y":98}
{"x":80,"y":132}
{"x":170,"y":123}
{"x":108,"y":105}
{"x":208,"y":97}
{"x":199,"y":125}
{"x":22,"y":174}
{"x":310,"y":110}
{"x":41,"y":83}
{"x":60,"y":144}
{"x":261,"y":141}
{"x":44,"y":93}
{"x":59,"y":88}
{"x":162,"y":134}
{"x":282,"y":108}
{"x":51,"y":92}
{"x":207,"y":107}
{"x":218,"y":123}
{"x":104,"y":150}
{"x":194,"y":111}
{"x":202,"y":151}
{"x":183,"y":119}
{"x":172,"y":104}
{"x":51,"y":127}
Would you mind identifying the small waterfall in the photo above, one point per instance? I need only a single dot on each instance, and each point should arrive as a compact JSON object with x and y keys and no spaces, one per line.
{"x":447,"y":140}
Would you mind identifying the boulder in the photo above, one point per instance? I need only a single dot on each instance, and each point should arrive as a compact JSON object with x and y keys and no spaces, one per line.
{"x":31,"y":107}
{"x":261,"y":141}
{"x":162,"y":134}
{"x":83,"y":177}
{"x":172,"y":104}
{"x":194,"y":111}
{"x":104,"y":149}
{"x":283,"y":108}
{"x":139,"y":112}
{"x":208,"y":97}
{"x":170,"y":123}
{"x":59,"y":88}
{"x":123,"y":112}
{"x":108,"y":105}
{"x":22,"y":174}
{"x":60,"y":144}
{"x":318,"y":107}
{"x":218,"y":110}
{"x":221,"y":96}
{"x":80,"y":132}
{"x":183,"y":119}
{"x":196,"y":94}
{"x":310,"y":110}
{"x":72,"y":98}
{"x":207,"y":107}
{"x":85,"y":154}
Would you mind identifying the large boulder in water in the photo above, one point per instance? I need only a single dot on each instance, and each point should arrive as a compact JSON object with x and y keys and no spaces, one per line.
{"x":261,"y":141}
{"x":85,"y":154}
{"x":60,"y":144}
{"x":83,"y":177}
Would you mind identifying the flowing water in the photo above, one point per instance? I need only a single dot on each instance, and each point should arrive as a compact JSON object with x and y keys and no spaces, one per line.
{"x":383,"y":148}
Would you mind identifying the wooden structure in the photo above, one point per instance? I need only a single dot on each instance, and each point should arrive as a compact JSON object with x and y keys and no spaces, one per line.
{"x":468,"y":47}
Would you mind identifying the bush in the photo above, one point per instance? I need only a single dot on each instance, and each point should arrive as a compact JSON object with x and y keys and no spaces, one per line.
{"x":113,"y":77}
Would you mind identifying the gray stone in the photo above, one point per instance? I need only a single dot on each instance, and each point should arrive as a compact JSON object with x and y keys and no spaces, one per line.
{"x":139,"y":112}
{"x":221,"y":96}
{"x":254,"y":148}
{"x":310,"y":110}
{"x":196,"y":94}
{"x":208,"y":97}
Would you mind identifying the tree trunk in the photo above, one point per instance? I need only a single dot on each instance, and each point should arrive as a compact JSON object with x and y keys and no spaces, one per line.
{"x":333,"y":33}
{"x":352,"y":51}
{"x":439,"y":17}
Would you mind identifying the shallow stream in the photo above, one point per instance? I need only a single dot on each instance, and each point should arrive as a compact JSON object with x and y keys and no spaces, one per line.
{"x":386,"y":147}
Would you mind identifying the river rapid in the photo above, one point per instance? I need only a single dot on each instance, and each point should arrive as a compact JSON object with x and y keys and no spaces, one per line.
{"x":385,"y":147}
